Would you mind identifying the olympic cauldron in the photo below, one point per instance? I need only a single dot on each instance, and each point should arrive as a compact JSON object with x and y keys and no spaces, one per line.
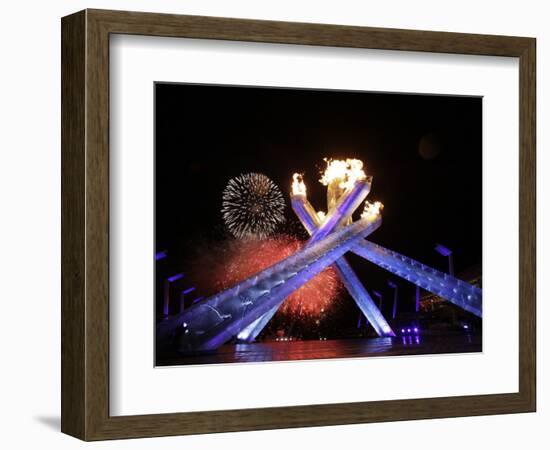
{"x":243,"y":310}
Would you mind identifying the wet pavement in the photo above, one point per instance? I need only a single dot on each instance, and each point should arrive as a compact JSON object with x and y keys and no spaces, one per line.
{"x":308,"y":350}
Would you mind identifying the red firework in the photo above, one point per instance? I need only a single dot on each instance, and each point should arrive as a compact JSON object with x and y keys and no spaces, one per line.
{"x":239,"y":259}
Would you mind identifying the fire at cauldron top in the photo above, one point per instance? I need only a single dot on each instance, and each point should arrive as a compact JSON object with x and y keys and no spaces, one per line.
{"x":343,"y":172}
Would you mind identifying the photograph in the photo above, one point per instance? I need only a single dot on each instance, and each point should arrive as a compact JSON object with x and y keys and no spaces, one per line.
{"x":301,"y":224}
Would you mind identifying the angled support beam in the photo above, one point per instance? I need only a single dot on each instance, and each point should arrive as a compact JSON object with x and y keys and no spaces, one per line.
{"x":311,"y":222}
{"x":346,"y":204}
{"x":458,"y":292}
{"x":309,"y":218}
{"x":212,"y":322}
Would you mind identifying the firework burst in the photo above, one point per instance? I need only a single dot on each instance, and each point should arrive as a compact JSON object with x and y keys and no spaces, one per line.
{"x":252,"y":206}
{"x":221,"y":266}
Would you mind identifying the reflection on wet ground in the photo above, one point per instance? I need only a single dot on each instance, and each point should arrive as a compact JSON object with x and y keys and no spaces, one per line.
{"x":348,"y":348}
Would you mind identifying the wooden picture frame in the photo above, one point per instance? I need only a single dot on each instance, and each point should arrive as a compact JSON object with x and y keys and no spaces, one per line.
{"x":85,"y":224}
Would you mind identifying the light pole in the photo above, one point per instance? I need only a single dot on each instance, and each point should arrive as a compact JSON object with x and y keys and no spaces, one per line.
{"x":166,"y":305}
{"x":379,"y":296}
{"x":182,"y":297}
{"x":161,"y":255}
{"x":444,"y":251}
{"x":395,"y":289}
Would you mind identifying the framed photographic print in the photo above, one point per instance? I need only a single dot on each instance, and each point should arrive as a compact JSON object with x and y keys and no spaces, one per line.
{"x":271,"y":224}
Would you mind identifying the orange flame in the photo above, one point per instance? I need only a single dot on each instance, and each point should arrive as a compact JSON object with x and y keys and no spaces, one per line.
{"x":346,"y":172}
{"x":372,"y":210}
{"x":298,"y":185}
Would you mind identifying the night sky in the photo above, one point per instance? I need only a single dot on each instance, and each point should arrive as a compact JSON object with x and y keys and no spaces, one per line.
{"x":424,"y":152}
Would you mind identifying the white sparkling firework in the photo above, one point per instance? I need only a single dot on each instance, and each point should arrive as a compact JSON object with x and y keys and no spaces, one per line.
{"x":252,"y":206}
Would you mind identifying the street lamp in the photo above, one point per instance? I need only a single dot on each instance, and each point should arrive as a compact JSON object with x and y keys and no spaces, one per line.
{"x":182,"y":297}
{"x":161,"y":255}
{"x":167,"y":282}
{"x":444,"y":251}
{"x":395,"y":289}
{"x":379,"y":296}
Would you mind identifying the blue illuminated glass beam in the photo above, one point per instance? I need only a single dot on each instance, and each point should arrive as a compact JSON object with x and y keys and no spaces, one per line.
{"x":458,"y":292}
{"x":310,"y":220}
{"x":213,"y":321}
